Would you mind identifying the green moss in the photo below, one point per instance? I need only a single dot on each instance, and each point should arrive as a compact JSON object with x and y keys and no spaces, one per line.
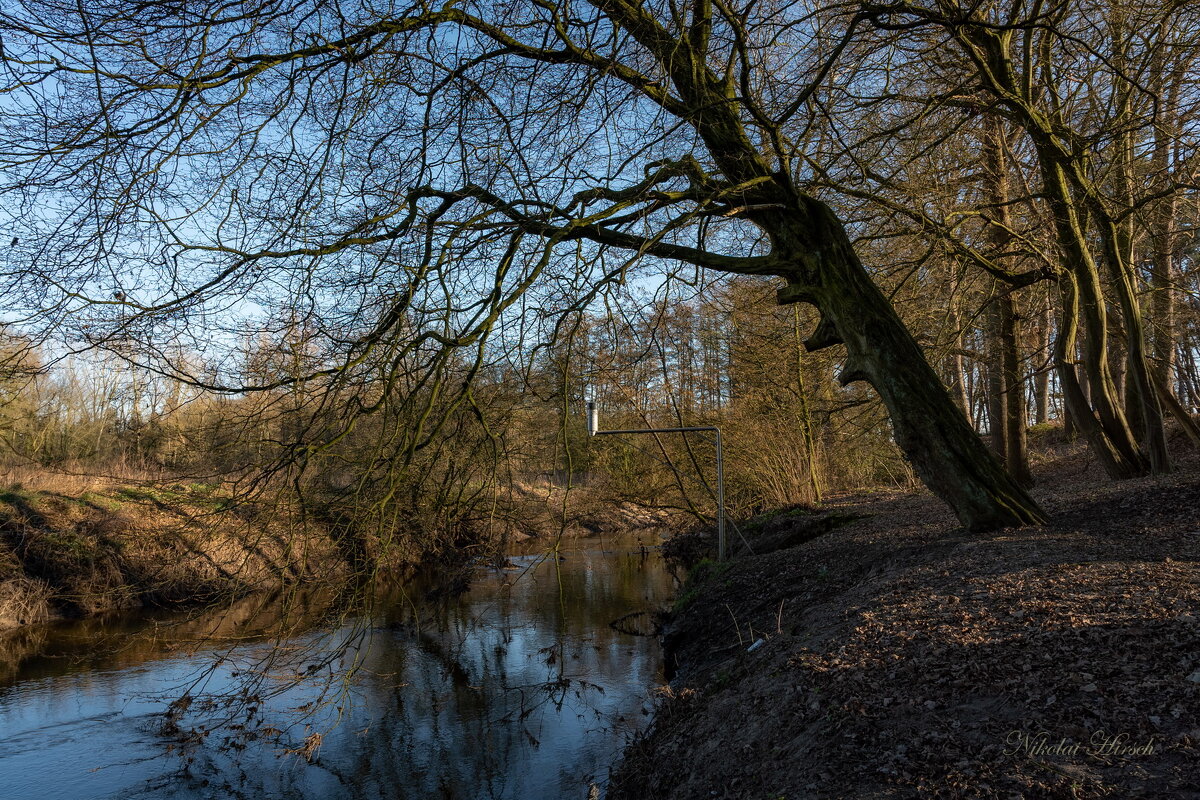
{"x":67,"y":546}
{"x":152,"y":493}
{"x":683,"y":600}
{"x":760,"y":521}
{"x":194,"y":494}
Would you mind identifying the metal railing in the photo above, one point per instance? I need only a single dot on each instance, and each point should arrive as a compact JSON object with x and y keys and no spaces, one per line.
{"x":593,"y":420}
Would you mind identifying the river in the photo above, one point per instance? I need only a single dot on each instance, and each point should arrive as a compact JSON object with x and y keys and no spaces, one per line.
{"x":517,"y":688}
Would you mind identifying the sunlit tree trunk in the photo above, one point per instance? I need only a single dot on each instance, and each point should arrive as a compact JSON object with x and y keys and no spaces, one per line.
{"x":1073,"y":201}
{"x":1009,"y":424}
{"x":810,"y":449}
{"x":1041,"y":379}
{"x":996,"y":399}
{"x":1117,"y":237}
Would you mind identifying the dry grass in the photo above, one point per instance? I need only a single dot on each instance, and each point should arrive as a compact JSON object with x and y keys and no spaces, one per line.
{"x":81,"y":545}
{"x":73,"y":479}
{"x":24,"y":601}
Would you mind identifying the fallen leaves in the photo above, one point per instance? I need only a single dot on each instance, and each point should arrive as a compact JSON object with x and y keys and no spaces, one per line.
{"x":915,"y":653}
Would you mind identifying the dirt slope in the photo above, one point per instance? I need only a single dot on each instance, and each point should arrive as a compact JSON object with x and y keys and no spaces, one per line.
{"x":903,"y":657}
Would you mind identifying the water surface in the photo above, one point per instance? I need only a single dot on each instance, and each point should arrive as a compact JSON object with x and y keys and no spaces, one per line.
{"x":518,"y":688}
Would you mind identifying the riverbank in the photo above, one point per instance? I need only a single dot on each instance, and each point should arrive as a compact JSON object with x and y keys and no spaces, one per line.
{"x":117,"y":547}
{"x":72,"y":547}
{"x":874,"y":649}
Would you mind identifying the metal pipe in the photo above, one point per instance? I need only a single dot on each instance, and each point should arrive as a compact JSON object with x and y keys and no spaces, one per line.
{"x":720,"y":498}
{"x":593,"y":418}
{"x":662,"y":430}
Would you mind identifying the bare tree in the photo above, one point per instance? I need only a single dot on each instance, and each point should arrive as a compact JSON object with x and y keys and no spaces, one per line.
{"x":412,"y":179}
{"x":1094,"y":109}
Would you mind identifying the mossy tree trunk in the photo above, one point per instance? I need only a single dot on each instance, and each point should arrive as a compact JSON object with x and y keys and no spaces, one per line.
{"x":943,"y":448}
{"x":1075,"y":202}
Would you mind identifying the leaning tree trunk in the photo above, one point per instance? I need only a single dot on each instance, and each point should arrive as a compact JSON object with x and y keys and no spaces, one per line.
{"x":1080,"y":417}
{"x":1066,"y":189}
{"x":1154,"y":438}
{"x":811,"y":251}
{"x":1102,"y":420}
{"x":1117,"y":238}
{"x":944,"y":450}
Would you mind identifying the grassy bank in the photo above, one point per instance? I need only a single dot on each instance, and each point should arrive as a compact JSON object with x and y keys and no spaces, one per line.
{"x":73,"y":545}
{"x":93,"y":546}
{"x":874,"y":649}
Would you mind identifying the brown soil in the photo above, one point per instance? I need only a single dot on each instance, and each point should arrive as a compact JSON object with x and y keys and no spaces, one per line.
{"x":903,"y":657}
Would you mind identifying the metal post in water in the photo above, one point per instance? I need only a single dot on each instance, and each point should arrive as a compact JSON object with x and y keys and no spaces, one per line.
{"x":593,"y":424}
{"x":720,"y":498}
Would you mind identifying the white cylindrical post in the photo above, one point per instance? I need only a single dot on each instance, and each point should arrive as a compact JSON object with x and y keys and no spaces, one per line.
{"x":593,"y":418}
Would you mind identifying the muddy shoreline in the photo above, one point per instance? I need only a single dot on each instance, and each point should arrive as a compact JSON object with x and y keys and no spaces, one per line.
{"x":875,"y":649}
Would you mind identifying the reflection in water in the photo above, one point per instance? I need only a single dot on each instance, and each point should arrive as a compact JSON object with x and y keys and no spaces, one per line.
{"x":517,"y":689}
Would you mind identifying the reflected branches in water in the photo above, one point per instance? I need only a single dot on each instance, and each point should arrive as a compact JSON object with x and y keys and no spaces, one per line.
{"x":516,"y":688}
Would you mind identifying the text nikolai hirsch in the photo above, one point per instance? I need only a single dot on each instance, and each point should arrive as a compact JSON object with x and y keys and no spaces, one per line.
{"x":1101,"y":743}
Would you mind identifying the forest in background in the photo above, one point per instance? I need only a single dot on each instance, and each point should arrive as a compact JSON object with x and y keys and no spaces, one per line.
{"x":1017,"y":181}
{"x":303,"y":293}
{"x":732,"y":358}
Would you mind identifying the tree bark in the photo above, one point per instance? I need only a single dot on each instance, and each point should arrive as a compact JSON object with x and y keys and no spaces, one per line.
{"x":943,"y":449}
{"x":957,"y":385}
{"x":806,"y":427}
{"x":1041,"y":379}
{"x":1098,"y":415}
{"x":1077,"y":209}
{"x":1164,"y":236}
{"x":1016,"y":451}
{"x":953,"y":365}
{"x":1117,"y":237}
{"x":1189,"y":375}
{"x":1010,"y":423}
{"x":1076,"y":388}
{"x":1153,"y":433}
{"x":997,"y":399}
